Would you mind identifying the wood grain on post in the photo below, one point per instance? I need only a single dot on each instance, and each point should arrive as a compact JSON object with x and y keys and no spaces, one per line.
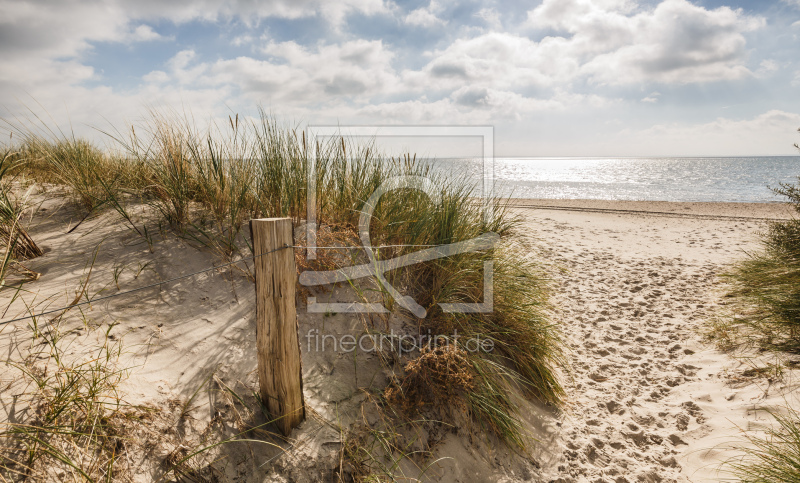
{"x":279,"y":369}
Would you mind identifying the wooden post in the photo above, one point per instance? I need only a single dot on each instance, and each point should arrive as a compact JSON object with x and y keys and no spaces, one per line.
{"x":279,"y":365}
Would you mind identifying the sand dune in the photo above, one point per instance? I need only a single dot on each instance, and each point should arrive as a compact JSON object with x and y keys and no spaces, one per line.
{"x":647,"y":400}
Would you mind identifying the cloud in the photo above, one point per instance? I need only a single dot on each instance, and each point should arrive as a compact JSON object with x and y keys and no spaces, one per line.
{"x":575,"y":16}
{"x":250,"y":12}
{"x":498,"y":60}
{"x":652,"y":98}
{"x":60,"y":30}
{"x":47,"y":43}
{"x":767,"y":67}
{"x":295,"y":75}
{"x":156,"y":77}
{"x":144,"y":33}
{"x":423,"y":18}
{"x":240,"y":40}
{"x":185,"y":71}
{"x":491,"y":17}
{"x":676,"y":42}
{"x":605,"y":42}
{"x":480,"y":104}
{"x":773,"y":132}
{"x":502,"y":104}
{"x":416,"y":110}
{"x":571,"y":60}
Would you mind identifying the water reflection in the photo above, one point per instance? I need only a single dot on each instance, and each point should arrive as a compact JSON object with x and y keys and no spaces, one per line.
{"x":743,"y":179}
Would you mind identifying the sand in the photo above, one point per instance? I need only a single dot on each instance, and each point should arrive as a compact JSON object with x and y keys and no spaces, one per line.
{"x":648,"y":401}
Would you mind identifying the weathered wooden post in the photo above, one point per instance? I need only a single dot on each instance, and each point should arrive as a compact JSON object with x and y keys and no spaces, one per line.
{"x":279,"y":369}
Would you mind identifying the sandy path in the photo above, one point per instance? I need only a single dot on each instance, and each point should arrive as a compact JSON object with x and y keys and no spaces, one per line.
{"x":648,"y":399}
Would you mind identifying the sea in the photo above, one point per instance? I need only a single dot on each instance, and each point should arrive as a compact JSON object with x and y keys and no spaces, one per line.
{"x":721,"y":179}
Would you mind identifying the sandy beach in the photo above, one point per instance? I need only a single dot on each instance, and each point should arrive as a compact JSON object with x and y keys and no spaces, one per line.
{"x":650,"y":401}
{"x":634,"y":283}
{"x":372,"y":241}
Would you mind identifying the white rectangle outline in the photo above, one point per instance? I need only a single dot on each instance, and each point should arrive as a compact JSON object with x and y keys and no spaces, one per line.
{"x":312,"y":132}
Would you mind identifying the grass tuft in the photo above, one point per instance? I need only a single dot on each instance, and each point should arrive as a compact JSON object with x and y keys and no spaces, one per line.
{"x":17,"y":244}
{"x":764,"y":290}
{"x":771,"y":455}
{"x":75,"y":421}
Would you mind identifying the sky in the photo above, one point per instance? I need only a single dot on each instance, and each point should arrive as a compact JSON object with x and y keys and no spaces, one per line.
{"x":553,"y":77}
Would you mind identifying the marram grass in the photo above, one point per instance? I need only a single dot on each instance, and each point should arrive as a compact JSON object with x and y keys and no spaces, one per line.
{"x":764,"y":294}
{"x":764,"y":288}
{"x":206,"y":183}
{"x":771,"y":455}
{"x":16,"y":244}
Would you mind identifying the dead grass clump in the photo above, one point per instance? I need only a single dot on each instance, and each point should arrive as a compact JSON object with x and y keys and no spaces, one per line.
{"x":440,"y":377}
{"x":17,"y":244}
{"x":456,"y":386}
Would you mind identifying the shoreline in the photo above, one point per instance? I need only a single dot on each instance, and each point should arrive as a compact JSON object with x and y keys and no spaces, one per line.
{"x":700,"y":209}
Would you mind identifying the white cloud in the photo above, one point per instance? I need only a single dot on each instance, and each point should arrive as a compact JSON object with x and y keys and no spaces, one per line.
{"x":44,"y":44}
{"x":184,"y":71}
{"x":427,"y":17}
{"x":250,"y":12}
{"x":676,"y":42}
{"x":424,"y":18}
{"x":412,"y":111}
{"x":575,"y":16}
{"x":773,"y":132}
{"x":477,"y":72}
{"x":602,"y":41}
{"x":240,"y":40}
{"x":479,"y":104}
{"x":296,"y":75}
{"x":58,"y":30}
{"x":652,"y":98}
{"x":491,"y":17}
{"x":767,"y":67}
{"x":144,"y":33}
{"x":498,"y":60}
{"x":156,"y":77}
{"x":502,"y":104}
